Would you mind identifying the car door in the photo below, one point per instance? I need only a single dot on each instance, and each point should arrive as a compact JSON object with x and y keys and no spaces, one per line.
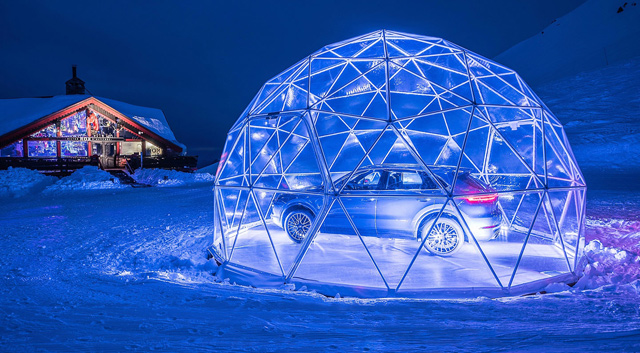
{"x":358,"y":198}
{"x":396,"y":212}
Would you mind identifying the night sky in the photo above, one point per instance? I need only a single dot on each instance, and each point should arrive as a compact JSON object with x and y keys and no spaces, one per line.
{"x":202,"y":62}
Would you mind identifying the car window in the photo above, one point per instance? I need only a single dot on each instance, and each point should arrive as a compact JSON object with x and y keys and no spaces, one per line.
{"x":367,"y":181}
{"x":409,"y":180}
{"x":468,"y":183}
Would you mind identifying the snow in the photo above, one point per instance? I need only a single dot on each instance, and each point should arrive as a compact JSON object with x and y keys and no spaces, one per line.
{"x":211,"y":169}
{"x":600,"y":110}
{"x":589,"y":37}
{"x":15,"y":113}
{"x":164,"y":178}
{"x":86,"y":178}
{"x":127,"y":271}
{"x":17,"y":182}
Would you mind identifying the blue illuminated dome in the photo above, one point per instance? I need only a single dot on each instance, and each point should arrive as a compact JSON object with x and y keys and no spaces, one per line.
{"x":394,"y":164}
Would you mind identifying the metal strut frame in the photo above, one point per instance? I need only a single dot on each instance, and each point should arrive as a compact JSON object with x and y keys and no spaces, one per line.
{"x":482,"y":94}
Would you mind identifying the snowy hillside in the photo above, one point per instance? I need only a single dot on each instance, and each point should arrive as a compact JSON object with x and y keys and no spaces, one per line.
{"x":593,"y":35}
{"x":600,"y":110}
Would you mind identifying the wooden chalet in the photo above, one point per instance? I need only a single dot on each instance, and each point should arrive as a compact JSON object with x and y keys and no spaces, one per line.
{"x":60,"y":134}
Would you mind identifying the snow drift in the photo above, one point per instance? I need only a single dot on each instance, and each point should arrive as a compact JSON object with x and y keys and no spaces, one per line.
{"x":87,"y":178}
{"x":17,"y":182}
{"x":164,"y":178}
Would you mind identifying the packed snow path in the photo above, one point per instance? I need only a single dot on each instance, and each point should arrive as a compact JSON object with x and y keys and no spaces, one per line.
{"x":124,"y":269}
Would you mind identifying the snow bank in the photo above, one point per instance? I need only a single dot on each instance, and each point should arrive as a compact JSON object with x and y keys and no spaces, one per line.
{"x":17,"y":182}
{"x":610,"y":269}
{"x":87,"y":178}
{"x":162,"y":177}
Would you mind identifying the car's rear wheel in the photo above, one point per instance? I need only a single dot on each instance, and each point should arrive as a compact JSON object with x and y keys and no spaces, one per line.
{"x":297,"y":224}
{"x":446,"y":236}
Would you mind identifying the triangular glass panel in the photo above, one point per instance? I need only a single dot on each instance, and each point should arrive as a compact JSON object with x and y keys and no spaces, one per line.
{"x":368,"y":46}
{"x":345,"y":140}
{"x":403,"y":45}
{"x":289,"y":218}
{"x":438,"y":140}
{"x":269,"y":88}
{"x":231,"y":207}
{"x":490,"y":158}
{"x":448,"y":257}
{"x":324,"y":73}
{"x":500,"y":223}
{"x":267,"y":135}
{"x":568,"y":211}
{"x":448,"y":72}
{"x":364,"y":96}
{"x":543,"y":256}
{"x":390,"y":151}
{"x":253,"y":247}
{"x":410,"y":94}
{"x":234,"y":160}
{"x":291,"y":95}
{"x":562,"y":170}
{"x":330,"y":75}
{"x":490,"y":88}
{"x":294,"y":166}
{"x":521,"y":128}
{"x":338,"y":256}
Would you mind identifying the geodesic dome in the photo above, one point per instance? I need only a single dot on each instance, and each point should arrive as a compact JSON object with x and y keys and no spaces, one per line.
{"x":394,"y":164}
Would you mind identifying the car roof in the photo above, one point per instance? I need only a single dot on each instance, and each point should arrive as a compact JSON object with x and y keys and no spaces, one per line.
{"x":415,"y":167}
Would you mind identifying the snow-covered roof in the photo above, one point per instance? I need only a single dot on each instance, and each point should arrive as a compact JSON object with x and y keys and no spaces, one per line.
{"x":16,"y":113}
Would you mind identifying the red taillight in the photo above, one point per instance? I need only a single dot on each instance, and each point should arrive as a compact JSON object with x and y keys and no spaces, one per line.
{"x":490,"y":198}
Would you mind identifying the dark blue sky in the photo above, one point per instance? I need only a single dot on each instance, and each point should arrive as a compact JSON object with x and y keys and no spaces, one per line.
{"x":202,"y":62}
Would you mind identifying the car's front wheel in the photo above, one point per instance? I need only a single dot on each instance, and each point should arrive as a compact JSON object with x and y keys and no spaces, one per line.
{"x":297,"y":224}
{"x":446,"y":236}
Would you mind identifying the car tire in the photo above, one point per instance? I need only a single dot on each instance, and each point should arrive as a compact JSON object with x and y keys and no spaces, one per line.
{"x":297,"y":223}
{"x":446,"y":237}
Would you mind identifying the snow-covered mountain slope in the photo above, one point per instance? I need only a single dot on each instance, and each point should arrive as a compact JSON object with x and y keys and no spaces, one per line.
{"x":600,"y":110}
{"x":593,"y":35}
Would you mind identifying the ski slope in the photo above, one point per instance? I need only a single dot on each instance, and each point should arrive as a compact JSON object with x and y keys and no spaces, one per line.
{"x":598,"y":33}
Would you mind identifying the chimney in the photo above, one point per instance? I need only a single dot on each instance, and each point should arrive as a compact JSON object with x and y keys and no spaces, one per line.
{"x":75,"y":85}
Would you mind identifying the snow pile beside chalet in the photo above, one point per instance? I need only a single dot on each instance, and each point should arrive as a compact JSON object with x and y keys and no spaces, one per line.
{"x":17,"y":182}
{"x":87,"y":178}
{"x":163,"y":178}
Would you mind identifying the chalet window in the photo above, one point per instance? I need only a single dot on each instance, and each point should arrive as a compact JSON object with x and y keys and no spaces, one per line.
{"x":75,"y":125}
{"x":45,"y":149}
{"x":13,"y":150}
